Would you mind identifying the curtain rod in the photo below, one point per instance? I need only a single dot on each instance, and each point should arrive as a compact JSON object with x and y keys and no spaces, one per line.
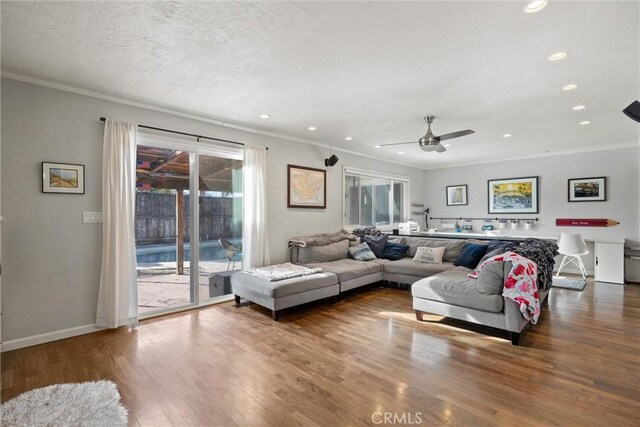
{"x":198,"y":137}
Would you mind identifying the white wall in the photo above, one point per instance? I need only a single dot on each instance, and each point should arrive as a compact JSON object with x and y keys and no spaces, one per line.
{"x":51,"y":260}
{"x":620,"y":166}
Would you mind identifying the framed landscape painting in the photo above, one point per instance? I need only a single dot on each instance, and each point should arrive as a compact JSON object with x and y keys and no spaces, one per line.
{"x":587,"y":189}
{"x":457,"y":195}
{"x":62,"y":178}
{"x":513,"y":195}
{"x":307,"y":187}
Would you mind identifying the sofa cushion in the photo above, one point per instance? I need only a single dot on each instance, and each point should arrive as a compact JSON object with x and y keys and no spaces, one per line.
{"x":456,"y":288}
{"x":451,"y":251}
{"x":330,"y":252}
{"x":410,"y":268}
{"x":376,"y":243}
{"x":490,"y":280}
{"x":471,"y":255}
{"x":244,"y":284}
{"x":394,"y":251}
{"x":429,"y":255}
{"x":347,"y":268}
{"x":362,"y":252}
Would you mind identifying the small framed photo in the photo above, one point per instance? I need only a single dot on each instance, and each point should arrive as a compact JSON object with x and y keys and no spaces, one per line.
{"x":587,"y":189}
{"x":457,"y":195}
{"x":513,"y":195}
{"x":306,"y":187}
{"x":62,"y":178}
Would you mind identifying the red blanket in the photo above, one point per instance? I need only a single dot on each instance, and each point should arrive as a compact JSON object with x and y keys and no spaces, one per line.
{"x":520,"y":284}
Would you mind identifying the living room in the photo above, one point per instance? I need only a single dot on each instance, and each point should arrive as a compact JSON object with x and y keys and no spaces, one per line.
{"x":310,"y":80}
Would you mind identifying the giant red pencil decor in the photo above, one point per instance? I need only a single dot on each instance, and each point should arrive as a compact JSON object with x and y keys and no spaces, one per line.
{"x":585,"y":222}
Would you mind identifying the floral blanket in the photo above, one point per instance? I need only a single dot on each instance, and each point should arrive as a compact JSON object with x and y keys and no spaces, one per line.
{"x":520,"y":284}
{"x":284,"y":271}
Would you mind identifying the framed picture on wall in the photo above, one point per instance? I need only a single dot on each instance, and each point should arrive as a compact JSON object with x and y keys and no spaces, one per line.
{"x":587,"y":189}
{"x":457,"y":195}
{"x":513,"y":195}
{"x":306,"y":187}
{"x":63,"y":178}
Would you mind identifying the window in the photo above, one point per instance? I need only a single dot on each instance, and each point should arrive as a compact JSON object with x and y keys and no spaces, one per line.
{"x":372,"y":198}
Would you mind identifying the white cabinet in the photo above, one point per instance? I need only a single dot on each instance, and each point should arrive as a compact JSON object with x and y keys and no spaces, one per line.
{"x":609,"y":262}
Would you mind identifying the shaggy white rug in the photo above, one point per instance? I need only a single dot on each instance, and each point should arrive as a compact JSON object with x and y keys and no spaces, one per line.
{"x":85,"y":404}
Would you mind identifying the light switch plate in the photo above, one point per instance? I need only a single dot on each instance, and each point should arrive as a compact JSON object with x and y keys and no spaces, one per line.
{"x":91,"y":217}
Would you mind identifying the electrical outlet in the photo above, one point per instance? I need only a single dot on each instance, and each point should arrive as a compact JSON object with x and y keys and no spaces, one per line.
{"x":91,"y":217}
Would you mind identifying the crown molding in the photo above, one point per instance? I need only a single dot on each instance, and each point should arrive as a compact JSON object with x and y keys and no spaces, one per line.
{"x":537,"y":156}
{"x":12,"y":75}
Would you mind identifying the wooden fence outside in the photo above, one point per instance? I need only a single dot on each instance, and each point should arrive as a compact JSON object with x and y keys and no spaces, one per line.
{"x":155,"y":218}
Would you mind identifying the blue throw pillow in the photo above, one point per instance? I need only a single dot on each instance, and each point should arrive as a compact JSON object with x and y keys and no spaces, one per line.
{"x":394,"y":251}
{"x":471,"y":255}
{"x":376,"y":243}
{"x":361,"y":252}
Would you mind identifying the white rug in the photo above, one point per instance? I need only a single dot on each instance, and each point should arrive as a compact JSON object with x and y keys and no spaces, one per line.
{"x":85,"y":404}
{"x":567,"y":283}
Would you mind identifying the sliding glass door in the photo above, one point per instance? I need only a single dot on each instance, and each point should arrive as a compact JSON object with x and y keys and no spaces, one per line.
{"x":220,"y":223}
{"x":186,"y":245}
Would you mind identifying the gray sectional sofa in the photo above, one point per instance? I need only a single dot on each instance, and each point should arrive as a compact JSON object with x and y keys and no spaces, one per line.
{"x":442,"y":289}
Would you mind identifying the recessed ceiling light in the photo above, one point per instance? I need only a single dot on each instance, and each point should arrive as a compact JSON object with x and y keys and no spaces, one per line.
{"x":586,"y":122}
{"x":570,"y":86}
{"x":447,"y":145}
{"x":557,"y":56}
{"x":401,"y":152}
{"x":311,"y":128}
{"x":536,"y":6}
{"x":579,"y":107}
{"x":348,"y":138}
{"x":507,"y":135}
{"x":377,"y":146}
{"x":265,"y":116}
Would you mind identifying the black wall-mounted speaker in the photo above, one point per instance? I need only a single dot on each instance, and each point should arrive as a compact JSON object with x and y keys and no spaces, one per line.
{"x":633,"y":111}
{"x":331,"y":161}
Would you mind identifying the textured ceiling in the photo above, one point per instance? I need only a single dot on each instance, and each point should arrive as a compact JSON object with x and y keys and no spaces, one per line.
{"x":369,"y":70}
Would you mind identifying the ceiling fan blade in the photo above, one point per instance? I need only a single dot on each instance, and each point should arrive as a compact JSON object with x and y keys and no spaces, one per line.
{"x":440,"y":148}
{"x":455,"y":134}
{"x":396,"y":143}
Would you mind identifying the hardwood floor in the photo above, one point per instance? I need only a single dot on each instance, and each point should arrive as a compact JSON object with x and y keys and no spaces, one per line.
{"x":366,"y":355}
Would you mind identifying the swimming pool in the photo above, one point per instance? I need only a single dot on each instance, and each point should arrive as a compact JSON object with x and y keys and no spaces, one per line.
{"x":210,"y":250}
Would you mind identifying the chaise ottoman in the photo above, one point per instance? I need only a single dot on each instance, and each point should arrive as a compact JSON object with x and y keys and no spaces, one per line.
{"x":281,"y":294}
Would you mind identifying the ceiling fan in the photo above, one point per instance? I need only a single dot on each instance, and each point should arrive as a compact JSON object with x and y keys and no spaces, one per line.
{"x":430,"y":142}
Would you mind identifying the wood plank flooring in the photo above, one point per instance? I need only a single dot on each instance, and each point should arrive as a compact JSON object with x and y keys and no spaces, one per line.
{"x":364,"y":356}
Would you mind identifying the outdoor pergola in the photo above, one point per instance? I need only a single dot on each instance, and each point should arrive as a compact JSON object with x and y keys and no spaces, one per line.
{"x":161,"y":168}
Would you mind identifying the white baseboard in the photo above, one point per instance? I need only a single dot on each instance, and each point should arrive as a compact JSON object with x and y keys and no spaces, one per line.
{"x":573,"y":271}
{"x":48,"y":337}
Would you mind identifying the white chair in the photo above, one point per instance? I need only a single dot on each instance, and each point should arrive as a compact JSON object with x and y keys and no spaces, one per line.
{"x":572,"y":246}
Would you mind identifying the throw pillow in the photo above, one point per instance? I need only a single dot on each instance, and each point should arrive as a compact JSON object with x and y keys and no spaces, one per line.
{"x":376,"y":243}
{"x":471,"y":255}
{"x":394,"y":251}
{"x":429,"y":255}
{"x":362,"y":252}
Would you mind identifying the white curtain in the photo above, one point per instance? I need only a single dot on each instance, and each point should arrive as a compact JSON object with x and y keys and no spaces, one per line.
{"x":118,"y":296}
{"x":255,"y":243}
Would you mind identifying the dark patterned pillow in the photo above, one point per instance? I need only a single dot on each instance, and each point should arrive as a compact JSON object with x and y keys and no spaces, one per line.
{"x":394,"y":251}
{"x":376,"y":243}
